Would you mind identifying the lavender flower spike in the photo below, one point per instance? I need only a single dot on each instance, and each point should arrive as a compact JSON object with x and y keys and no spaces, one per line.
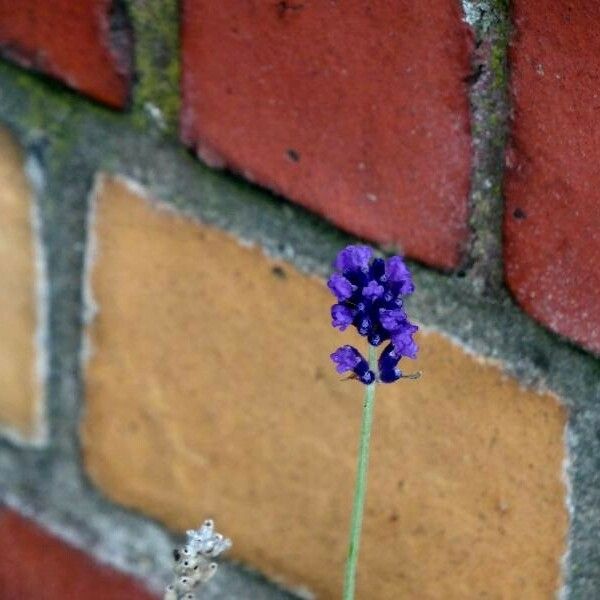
{"x":370,"y":297}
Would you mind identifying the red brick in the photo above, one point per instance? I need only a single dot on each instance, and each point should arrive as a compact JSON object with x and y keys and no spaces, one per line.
{"x":35,"y":565}
{"x":72,"y":41}
{"x":552,"y":222}
{"x":356,"y":110}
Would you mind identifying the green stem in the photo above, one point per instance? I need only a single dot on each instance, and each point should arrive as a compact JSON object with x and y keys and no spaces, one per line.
{"x":361,"y":483}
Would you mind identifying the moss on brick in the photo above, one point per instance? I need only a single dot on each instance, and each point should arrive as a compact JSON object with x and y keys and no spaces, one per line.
{"x":156,"y":96}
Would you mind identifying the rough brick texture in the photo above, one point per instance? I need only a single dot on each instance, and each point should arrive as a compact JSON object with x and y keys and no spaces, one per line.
{"x":84,"y":44}
{"x":35,"y":565}
{"x":210,"y":392}
{"x":20,"y":390}
{"x":552,"y":222}
{"x":356,"y":110}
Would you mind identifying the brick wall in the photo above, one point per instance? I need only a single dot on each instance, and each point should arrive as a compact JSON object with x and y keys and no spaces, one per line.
{"x":175,"y":179}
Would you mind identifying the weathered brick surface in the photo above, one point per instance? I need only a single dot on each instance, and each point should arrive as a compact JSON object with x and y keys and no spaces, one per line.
{"x":35,"y":565}
{"x":209,"y":391}
{"x":356,"y":110}
{"x":552,"y":221}
{"x":20,"y":390}
{"x":84,"y":44}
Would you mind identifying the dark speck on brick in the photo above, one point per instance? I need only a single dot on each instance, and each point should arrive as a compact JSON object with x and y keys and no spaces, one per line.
{"x":293,"y":155}
{"x":519,"y":214}
{"x":286,"y":6}
{"x":279,"y":272}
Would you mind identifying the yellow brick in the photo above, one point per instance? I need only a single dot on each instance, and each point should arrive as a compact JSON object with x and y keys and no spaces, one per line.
{"x":210,"y":393}
{"x":20,"y":389}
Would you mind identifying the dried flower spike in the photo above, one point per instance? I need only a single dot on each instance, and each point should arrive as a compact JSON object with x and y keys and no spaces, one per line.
{"x":192,"y":567}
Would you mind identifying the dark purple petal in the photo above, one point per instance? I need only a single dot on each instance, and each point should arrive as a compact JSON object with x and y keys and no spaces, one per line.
{"x":341,"y":316}
{"x":389,"y":358}
{"x":361,"y":368}
{"x":340,"y":286}
{"x":377,"y":269}
{"x":367,"y":377}
{"x":392,"y":318}
{"x":389,"y":375}
{"x":373,"y":290}
{"x":353,"y":258}
{"x":346,"y":358}
{"x":363,"y":325}
{"x":357,"y":278}
{"x":377,"y":337}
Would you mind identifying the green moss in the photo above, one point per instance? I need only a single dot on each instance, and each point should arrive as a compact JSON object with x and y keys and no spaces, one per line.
{"x":498,"y":65}
{"x":156,"y":98}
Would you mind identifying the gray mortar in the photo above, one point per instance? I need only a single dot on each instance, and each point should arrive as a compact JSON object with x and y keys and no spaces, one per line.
{"x":583,"y":557}
{"x":73,"y":139}
{"x":488,"y":98}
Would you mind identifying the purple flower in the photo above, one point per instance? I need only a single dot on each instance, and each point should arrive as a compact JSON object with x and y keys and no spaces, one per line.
{"x":370,"y":294}
{"x":353,"y":258}
{"x":403,"y":340}
{"x":389,"y":357}
{"x":388,"y":361}
{"x":373,"y":290}
{"x":392,"y":319}
{"x":348,"y":358}
{"x":340,"y":286}
{"x":397,"y":272}
{"x":341,"y":316}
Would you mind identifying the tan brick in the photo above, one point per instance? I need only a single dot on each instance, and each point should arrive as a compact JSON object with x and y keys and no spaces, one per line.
{"x":210,"y":392}
{"x":20,"y":389}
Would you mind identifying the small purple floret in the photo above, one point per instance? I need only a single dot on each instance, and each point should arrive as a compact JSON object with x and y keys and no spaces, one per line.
{"x":403,"y":341}
{"x":392,"y":319}
{"x":353,"y":258}
{"x":373,"y":290}
{"x":346,"y":358}
{"x":397,"y":272}
{"x":341,"y":316}
{"x":340,"y":286}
